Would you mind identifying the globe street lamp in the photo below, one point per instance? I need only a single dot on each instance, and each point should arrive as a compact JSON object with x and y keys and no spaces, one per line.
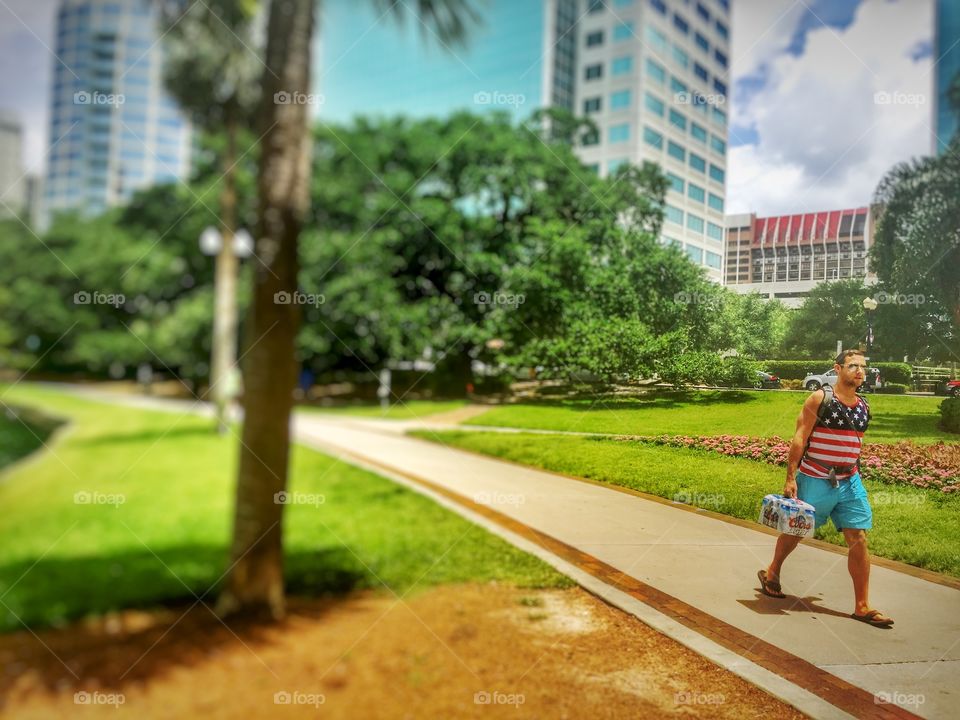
{"x":869,"y":305}
{"x":228,"y":248}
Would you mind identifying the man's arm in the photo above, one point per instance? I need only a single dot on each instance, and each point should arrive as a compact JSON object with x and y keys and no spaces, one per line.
{"x":805,"y":422}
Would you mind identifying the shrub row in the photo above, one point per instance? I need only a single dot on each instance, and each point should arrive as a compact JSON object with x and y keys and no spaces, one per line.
{"x":796,"y":369}
{"x":950,"y":414}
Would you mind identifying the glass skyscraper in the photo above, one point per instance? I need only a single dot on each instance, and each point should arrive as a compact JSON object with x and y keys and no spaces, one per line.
{"x":946,"y":49}
{"x":652,"y":74}
{"x":113,"y":129}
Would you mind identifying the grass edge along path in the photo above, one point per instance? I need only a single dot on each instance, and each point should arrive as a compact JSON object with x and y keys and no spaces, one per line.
{"x":133,"y":508}
{"x":910,"y":525}
{"x":762,"y":413}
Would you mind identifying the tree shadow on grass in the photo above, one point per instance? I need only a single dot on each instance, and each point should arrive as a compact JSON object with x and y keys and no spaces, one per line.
{"x":146,"y":436}
{"x":175,"y":630}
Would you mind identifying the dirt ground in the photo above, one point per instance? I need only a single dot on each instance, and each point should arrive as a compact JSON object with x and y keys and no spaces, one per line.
{"x":466,"y":651}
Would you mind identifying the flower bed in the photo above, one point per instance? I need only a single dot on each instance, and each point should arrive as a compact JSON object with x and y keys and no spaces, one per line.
{"x":904,"y":463}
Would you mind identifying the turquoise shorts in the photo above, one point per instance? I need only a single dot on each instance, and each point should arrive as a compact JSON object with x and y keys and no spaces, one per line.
{"x":846,"y":505}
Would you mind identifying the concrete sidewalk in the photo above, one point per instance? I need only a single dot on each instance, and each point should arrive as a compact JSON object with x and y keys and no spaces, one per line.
{"x":704,"y":562}
{"x":685,"y":573}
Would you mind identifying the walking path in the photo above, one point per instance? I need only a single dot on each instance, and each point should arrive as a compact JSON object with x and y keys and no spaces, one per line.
{"x":688,"y":574}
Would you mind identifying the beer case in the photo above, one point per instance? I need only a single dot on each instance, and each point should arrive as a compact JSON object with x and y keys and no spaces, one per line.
{"x":788,"y":515}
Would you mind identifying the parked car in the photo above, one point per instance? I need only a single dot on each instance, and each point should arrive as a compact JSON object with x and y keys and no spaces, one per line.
{"x":871,"y":382}
{"x":950,"y":387}
{"x":767,"y":381}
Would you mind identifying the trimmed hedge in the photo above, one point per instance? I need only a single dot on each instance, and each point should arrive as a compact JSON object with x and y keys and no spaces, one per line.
{"x":893,"y":388}
{"x":892,"y":372}
{"x":950,"y":414}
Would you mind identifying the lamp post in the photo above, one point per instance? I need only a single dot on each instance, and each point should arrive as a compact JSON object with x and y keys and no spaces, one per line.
{"x":228,"y":248}
{"x":869,"y":305}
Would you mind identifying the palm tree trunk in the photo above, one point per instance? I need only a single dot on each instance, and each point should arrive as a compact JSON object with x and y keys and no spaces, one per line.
{"x":255,"y":580}
{"x":224,"y":351}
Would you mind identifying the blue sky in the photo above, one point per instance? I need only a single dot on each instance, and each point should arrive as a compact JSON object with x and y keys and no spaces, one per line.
{"x":826,"y":94}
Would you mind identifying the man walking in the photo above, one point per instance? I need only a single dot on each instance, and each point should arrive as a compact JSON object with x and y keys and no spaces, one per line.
{"x":823,"y":469}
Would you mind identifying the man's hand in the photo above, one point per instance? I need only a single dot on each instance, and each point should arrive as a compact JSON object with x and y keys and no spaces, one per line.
{"x":790,"y":488}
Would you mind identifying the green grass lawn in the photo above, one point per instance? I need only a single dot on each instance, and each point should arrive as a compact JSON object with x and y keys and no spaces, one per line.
{"x":407,"y":410}
{"x":60,"y":559}
{"x":895,"y":417}
{"x":920,"y":527}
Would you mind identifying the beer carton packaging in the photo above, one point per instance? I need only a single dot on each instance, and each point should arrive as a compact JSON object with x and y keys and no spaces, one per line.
{"x":787,"y":515}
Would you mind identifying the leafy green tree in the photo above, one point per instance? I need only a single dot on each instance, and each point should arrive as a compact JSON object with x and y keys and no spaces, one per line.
{"x":917,"y":243}
{"x":833,"y":311}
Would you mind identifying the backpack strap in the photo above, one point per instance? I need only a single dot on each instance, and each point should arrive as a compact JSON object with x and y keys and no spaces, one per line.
{"x":825,"y":403}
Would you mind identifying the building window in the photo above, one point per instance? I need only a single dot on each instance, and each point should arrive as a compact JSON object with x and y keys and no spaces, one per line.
{"x":676,"y":151}
{"x":591,"y":105}
{"x":695,"y":192}
{"x":623,"y":3}
{"x":695,"y":254}
{"x":594,"y":168}
{"x":655,"y":39}
{"x":614,"y":165}
{"x":719,"y":117}
{"x":620,"y":100}
{"x":716,"y":173}
{"x":622,"y":65}
{"x":652,"y":103}
{"x":714,"y":232}
{"x":701,"y":72}
{"x":717,"y":144}
{"x":680,"y":57}
{"x":591,"y":137}
{"x":652,"y":138}
{"x":656,"y":72}
{"x":722,"y":30}
{"x":720,"y":58}
{"x":595,"y":38}
{"x":719,"y":87}
{"x":674,"y":214}
{"x":716,"y":202}
{"x":593,"y":72}
{"x":624,"y":31}
{"x":659,"y":6}
{"x":698,"y":163}
{"x":618,"y":133}
{"x":596,"y":6}
{"x":676,"y":182}
{"x":695,"y":223}
{"x":680,"y":24}
{"x":703,"y":12}
{"x":698,"y":133}
{"x":713,"y":260}
{"x":678,"y":120}
{"x":701,"y":42}
{"x":677,"y":86}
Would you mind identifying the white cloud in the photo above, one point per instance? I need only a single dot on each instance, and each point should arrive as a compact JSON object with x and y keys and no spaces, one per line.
{"x":825,"y":135}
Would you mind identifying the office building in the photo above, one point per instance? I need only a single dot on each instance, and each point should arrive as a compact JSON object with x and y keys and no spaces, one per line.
{"x":113,"y":129}
{"x":652,"y":74}
{"x":946,"y":56}
{"x":785,"y":257}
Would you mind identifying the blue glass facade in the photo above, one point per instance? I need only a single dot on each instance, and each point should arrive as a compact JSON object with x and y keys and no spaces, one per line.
{"x":112,"y":128}
{"x":501,"y":68}
{"x":947,"y":58}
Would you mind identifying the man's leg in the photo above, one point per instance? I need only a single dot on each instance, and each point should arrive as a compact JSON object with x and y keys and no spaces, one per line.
{"x":785,"y":546}
{"x":858,"y":563}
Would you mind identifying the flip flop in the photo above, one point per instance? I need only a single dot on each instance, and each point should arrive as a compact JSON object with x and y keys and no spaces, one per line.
{"x":769,"y":587}
{"x":870,"y":618}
